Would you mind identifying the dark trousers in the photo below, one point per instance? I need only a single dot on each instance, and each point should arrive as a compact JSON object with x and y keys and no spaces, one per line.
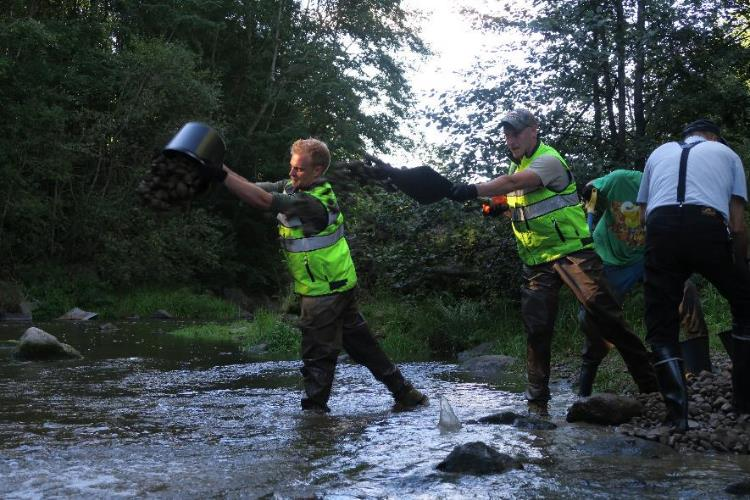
{"x":582,"y":273}
{"x":329,"y":324}
{"x":692,"y":320}
{"x":679,"y":242}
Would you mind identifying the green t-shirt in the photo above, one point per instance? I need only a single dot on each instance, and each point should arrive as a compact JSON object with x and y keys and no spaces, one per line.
{"x":619,"y":237}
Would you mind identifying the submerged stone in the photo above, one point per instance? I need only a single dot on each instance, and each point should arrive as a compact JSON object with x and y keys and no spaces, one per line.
{"x":478,"y":458}
{"x":519,"y":421}
{"x":739,"y":488}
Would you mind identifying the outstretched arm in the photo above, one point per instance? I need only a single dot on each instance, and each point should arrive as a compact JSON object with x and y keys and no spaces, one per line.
{"x":246,"y":190}
{"x":526,"y":179}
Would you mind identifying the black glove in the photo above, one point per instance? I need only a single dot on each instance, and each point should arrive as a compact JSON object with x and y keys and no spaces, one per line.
{"x":379,"y":169}
{"x":462,"y":192}
{"x":211,"y":173}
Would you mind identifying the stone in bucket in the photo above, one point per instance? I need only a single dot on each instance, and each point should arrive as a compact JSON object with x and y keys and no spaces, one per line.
{"x":174,"y":178}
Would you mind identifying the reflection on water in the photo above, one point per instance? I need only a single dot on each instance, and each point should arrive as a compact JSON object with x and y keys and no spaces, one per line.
{"x":148,"y":414}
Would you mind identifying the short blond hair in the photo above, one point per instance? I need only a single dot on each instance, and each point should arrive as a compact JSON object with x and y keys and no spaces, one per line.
{"x":315,"y":149}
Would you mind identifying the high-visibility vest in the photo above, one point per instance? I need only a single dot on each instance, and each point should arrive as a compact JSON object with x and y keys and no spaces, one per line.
{"x":547,"y":224}
{"x":320,"y":264}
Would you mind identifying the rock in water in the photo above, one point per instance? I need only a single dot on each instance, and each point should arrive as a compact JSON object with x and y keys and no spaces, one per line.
{"x":448,"y":420}
{"x":477,"y":458}
{"x":740,"y":488}
{"x":519,"y":421}
{"x":77,"y":314}
{"x":606,"y":409}
{"x":488,"y":367}
{"x":38,"y":345}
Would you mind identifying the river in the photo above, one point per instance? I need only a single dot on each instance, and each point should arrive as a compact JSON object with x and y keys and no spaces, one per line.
{"x":145,"y":414}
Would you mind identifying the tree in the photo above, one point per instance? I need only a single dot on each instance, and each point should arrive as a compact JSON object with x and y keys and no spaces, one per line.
{"x":627,"y":75}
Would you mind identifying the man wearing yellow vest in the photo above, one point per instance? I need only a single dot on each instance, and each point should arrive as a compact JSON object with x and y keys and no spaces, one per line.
{"x":311,"y":230}
{"x":556,"y":248}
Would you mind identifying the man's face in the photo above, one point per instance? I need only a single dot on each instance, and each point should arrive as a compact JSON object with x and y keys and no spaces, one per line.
{"x":520,"y":142}
{"x":302,"y":172}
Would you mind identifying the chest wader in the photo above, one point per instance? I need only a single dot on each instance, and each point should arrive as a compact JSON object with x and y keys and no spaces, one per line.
{"x":325,"y":278}
{"x":547,"y":225}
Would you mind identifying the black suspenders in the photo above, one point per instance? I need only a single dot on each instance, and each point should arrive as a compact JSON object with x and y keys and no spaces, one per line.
{"x":683,"y":169}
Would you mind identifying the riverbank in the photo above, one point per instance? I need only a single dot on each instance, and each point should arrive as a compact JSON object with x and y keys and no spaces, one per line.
{"x":410,"y":329}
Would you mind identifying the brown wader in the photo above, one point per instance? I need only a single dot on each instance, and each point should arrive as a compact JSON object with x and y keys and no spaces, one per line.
{"x":581,"y":272}
{"x":329,"y":324}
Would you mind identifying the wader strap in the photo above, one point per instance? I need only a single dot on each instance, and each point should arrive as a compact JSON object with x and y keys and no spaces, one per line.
{"x":683,"y":170}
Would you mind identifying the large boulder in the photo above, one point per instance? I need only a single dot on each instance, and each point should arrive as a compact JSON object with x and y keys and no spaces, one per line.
{"x":38,"y":345}
{"x":519,"y":421}
{"x":605,"y":409}
{"x":477,"y":458}
{"x":489,"y":367}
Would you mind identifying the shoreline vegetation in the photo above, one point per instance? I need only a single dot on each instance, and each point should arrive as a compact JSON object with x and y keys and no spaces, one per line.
{"x":410,"y":329}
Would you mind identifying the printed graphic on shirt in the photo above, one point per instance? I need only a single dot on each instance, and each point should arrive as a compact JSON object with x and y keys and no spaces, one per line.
{"x":626,"y":223}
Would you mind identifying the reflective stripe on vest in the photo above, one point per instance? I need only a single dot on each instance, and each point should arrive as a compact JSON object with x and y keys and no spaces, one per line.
{"x":544,"y":207}
{"x":547,"y":224}
{"x":312,"y":242}
{"x":320,"y":263}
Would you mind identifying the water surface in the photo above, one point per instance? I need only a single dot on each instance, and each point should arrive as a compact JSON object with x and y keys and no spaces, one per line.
{"x":146,"y":414}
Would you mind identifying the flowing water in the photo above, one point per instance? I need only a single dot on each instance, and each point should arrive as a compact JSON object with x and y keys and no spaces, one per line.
{"x":146,"y":414}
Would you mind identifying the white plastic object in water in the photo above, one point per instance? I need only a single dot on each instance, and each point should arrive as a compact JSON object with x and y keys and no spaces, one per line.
{"x":448,"y":420}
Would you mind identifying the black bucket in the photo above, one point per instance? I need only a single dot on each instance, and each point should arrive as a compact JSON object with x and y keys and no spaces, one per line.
{"x":695,"y":354}
{"x":422,"y":184}
{"x":727,"y":342}
{"x":199,"y":142}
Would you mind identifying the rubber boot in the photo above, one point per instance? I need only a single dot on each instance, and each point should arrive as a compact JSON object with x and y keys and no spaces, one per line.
{"x":695,"y":354}
{"x":741,"y":372}
{"x":669,"y":374}
{"x":318,"y":380}
{"x":586,"y":378}
{"x":408,"y":398}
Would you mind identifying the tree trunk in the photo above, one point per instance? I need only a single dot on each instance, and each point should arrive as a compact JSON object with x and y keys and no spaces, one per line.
{"x":620,"y":151}
{"x":597,"y":96}
{"x":638,"y":105}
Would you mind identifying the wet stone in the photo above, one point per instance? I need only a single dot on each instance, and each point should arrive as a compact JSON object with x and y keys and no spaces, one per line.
{"x":605,"y":409}
{"x":171,"y":182}
{"x":37,"y":345}
{"x":478,"y":458}
{"x":519,"y":421}
{"x":739,"y":488}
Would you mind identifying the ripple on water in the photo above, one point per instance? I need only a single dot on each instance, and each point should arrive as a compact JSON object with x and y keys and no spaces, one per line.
{"x":135,"y":422}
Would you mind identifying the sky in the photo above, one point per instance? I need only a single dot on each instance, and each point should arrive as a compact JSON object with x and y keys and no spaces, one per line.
{"x":456,"y":47}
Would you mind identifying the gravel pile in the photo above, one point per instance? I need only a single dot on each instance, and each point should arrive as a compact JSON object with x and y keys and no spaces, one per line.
{"x":714,"y":425}
{"x":172,"y":182}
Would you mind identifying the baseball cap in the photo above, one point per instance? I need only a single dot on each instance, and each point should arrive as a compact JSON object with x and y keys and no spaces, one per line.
{"x":703,"y":125}
{"x":519,"y":119}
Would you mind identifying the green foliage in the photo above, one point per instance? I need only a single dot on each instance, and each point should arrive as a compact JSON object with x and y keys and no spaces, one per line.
{"x":90,"y":91}
{"x":439,"y":326}
{"x":626,"y":76}
{"x":182,"y":303}
{"x":433,"y":249}
{"x":280,"y":337}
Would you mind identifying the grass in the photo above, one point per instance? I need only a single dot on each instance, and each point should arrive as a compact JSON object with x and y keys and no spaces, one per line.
{"x":280,"y":337}
{"x":181,"y":303}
